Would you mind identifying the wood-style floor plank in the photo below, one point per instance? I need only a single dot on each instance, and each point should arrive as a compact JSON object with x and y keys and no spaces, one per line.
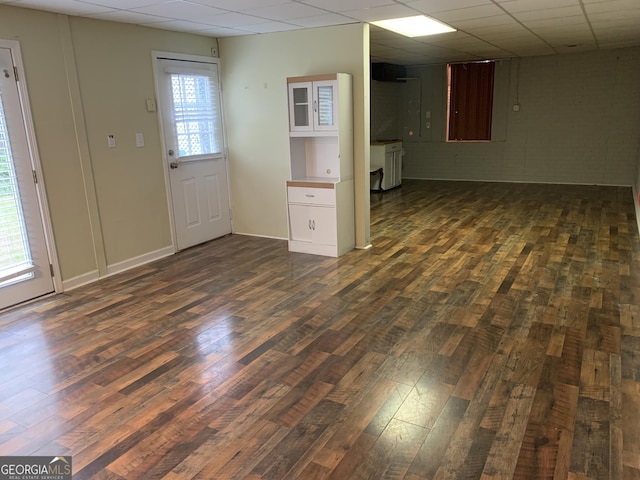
{"x":492,"y":331}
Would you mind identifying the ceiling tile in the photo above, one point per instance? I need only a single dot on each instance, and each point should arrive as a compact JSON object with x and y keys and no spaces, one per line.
{"x":234,"y":19}
{"x":486,"y":28}
{"x":610,"y":5}
{"x":69,"y":7}
{"x":239,"y":5}
{"x":517,"y":6}
{"x":321,"y":20}
{"x":482,"y":11}
{"x":380,"y":13}
{"x":285,"y":11}
{"x":530,"y":50}
{"x":219,"y":32}
{"x":499,"y":21}
{"x":122,"y":4}
{"x":269,"y":27}
{"x":180,"y":10}
{"x":181,"y":25}
{"x":434,"y":6}
{"x":561,"y":12}
{"x":128,"y":17}
{"x":345,"y":5}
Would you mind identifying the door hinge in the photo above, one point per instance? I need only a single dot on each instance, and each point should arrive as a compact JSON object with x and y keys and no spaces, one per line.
{"x":35,"y":176}
{"x":51,"y":270}
{"x":15,"y":72}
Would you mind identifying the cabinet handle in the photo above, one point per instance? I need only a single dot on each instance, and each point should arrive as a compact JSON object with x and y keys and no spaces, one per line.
{"x":314,"y":224}
{"x":315,"y":105}
{"x":309,"y":195}
{"x":310,"y":225}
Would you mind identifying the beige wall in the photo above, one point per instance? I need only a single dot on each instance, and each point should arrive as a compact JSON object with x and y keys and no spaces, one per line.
{"x":115,"y":72}
{"x":46,"y":76}
{"x":254,"y":70}
{"x":86,"y":79}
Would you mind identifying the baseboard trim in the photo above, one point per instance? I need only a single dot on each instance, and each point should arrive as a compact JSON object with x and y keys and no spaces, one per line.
{"x":80,"y":280}
{"x":139,"y":260}
{"x":119,"y":267}
{"x":260,"y":236}
{"x":533,"y":182}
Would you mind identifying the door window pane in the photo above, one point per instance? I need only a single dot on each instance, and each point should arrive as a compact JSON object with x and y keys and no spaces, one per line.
{"x":196,"y":112}
{"x":14,"y":246}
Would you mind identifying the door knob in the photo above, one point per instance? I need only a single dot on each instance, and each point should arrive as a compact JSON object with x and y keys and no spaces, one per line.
{"x":173,"y":165}
{"x":171,"y":153}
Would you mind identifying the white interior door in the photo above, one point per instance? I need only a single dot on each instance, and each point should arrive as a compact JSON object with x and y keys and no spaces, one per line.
{"x":24,"y":260}
{"x":191,"y":114}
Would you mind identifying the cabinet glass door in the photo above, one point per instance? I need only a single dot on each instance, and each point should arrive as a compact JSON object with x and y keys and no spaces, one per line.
{"x":300,"y":105}
{"x":324,"y":105}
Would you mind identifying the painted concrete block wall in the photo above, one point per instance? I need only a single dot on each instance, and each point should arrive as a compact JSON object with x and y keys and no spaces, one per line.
{"x":579,"y":122}
{"x":385,"y":110}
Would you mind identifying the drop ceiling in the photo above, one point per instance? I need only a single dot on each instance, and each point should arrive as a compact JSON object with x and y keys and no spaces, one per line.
{"x":486,"y":29}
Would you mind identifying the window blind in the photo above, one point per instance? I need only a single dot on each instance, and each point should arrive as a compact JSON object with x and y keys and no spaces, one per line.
{"x":470,"y":101}
{"x":197,"y":114}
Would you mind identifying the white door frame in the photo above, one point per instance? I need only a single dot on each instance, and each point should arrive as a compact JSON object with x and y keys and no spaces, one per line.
{"x":16,"y":54}
{"x":155,"y":56}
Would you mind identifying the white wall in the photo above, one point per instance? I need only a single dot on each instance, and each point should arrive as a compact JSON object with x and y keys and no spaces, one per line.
{"x":579,"y":122}
{"x":254,"y":71}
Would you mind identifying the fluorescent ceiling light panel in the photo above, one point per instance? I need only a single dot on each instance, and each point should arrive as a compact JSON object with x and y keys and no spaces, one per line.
{"x":417,"y":26}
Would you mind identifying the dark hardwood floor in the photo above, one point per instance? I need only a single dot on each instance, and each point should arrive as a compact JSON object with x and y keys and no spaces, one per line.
{"x":491,"y":332}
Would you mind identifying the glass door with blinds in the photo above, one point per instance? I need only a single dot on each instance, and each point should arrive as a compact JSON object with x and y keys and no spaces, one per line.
{"x":25,"y":271}
{"x":190,"y":108}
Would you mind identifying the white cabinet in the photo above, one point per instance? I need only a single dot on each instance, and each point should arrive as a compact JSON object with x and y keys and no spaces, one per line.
{"x":320,"y":194}
{"x":312,"y":224}
{"x":321,"y":217}
{"x":313,"y":104}
{"x":388,"y":156}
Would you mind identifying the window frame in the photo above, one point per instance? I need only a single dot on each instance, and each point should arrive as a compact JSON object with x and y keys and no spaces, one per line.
{"x":470,"y":94}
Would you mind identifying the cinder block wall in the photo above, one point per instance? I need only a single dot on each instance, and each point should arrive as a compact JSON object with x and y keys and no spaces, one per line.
{"x":579,"y":122}
{"x":385,"y":103}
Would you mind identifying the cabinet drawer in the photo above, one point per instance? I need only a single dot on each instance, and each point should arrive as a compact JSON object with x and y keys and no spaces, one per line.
{"x":393,"y":147}
{"x":312,"y":196}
